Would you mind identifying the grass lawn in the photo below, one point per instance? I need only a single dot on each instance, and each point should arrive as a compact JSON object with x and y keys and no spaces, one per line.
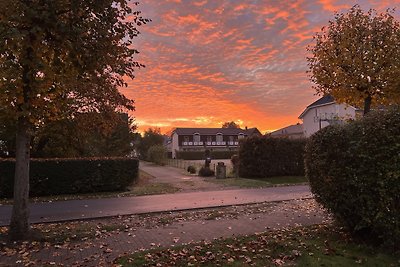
{"x":319,"y":245}
{"x":260,"y":182}
{"x":143,"y":186}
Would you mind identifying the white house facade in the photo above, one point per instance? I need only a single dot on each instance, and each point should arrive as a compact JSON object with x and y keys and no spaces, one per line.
{"x":201,"y":139}
{"x":323,"y":112}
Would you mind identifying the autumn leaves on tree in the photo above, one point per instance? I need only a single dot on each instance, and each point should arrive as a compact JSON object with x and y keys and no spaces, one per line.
{"x":356,"y":59}
{"x":59,"y":58}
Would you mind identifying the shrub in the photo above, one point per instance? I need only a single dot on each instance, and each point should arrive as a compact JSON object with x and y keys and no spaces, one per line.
{"x":70,"y":176}
{"x":198,"y":155}
{"x":206,"y":172}
{"x":191,"y":169}
{"x":266,"y":157}
{"x":354,"y":171}
{"x":157,"y":154}
{"x":235,"y":164}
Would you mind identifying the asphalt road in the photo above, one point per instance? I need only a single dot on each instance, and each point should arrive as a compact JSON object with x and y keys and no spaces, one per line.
{"x":97,"y":208}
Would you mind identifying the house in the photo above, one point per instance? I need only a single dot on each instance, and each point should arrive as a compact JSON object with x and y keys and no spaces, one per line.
{"x":213,"y":139}
{"x":292,"y":132}
{"x":323,"y":112}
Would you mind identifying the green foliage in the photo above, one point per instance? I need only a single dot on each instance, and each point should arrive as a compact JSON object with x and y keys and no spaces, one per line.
{"x":191,"y":169}
{"x":72,"y":176}
{"x":151,"y":137}
{"x":206,"y":172}
{"x":200,"y":155}
{"x":92,"y":134}
{"x":354,"y":171}
{"x":356,"y":58}
{"x":157,"y":154}
{"x":266,"y":157}
{"x":86,"y":135}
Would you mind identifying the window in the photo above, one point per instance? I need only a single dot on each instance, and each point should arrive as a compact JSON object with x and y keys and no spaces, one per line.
{"x":231,"y":138}
{"x":196,"y":137}
{"x":220,"y":138}
{"x":186,"y":139}
{"x":209,"y":138}
{"x":241,"y":136}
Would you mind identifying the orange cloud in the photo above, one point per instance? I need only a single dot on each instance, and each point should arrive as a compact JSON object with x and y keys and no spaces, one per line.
{"x":208,"y":62}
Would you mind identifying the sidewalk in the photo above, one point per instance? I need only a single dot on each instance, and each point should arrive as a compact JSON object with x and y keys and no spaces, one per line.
{"x":98,"y":208}
{"x":165,"y":230}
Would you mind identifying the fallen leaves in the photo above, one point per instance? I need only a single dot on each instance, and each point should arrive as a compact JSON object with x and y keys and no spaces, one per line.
{"x":101,"y":237}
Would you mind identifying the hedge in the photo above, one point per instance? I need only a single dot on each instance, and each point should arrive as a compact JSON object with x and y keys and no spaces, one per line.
{"x":197,"y":155}
{"x":354,"y":172}
{"x":70,"y":176}
{"x":267,"y":156}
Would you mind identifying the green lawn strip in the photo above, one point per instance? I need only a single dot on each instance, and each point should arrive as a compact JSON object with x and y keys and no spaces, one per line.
{"x":259,"y":182}
{"x":141,"y":187}
{"x":153,"y":189}
{"x":304,"y":246}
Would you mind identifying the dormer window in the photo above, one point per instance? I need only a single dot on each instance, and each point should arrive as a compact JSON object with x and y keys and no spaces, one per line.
{"x":196,"y":137}
{"x":241,"y":136}
{"x":220,"y":138}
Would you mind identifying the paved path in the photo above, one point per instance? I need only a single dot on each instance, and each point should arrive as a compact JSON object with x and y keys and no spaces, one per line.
{"x":137,"y":235}
{"x":96,"y":208}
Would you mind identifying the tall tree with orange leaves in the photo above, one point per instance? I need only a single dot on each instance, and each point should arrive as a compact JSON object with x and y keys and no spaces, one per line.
{"x":59,"y":57}
{"x":356,"y":58}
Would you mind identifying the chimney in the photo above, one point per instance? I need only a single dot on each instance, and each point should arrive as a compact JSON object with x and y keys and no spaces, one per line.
{"x":245,"y":127}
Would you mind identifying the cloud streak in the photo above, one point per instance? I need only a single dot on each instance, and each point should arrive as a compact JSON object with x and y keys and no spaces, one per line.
{"x":211,"y":61}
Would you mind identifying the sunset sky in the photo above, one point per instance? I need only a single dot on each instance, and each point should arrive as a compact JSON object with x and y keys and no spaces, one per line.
{"x":211,"y":61}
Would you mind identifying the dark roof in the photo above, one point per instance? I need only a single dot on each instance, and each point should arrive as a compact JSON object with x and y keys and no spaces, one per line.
{"x":214,"y":131}
{"x":327,"y":99}
{"x":292,"y":129}
{"x":322,"y":101}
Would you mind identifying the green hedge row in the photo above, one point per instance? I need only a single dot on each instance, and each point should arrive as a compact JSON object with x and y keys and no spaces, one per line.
{"x":197,"y":155}
{"x":70,"y":176}
{"x":354,"y":171}
{"x":266,"y":157}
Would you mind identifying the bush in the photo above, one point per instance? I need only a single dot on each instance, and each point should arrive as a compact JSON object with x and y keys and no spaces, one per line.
{"x":235,"y":164}
{"x":191,"y":169}
{"x":70,"y":176}
{"x":266,"y":157}
{"x":198,"y":155}
{"x":157,"y":154}
{"x":206,"y":172}
{"x":354,"y":171}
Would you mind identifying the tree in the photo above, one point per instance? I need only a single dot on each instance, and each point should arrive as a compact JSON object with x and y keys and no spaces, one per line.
{"x":356,"y":58}
{"x":157,"y":154}
{"x":151,"y":137}
{"x":91,"y":134}
{"x":230,"y":124}
{"x":58,"y":58}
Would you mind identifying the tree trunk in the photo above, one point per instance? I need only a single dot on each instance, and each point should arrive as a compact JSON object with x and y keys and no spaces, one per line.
{"x":19,"y":226}
{"x":367,"y":104}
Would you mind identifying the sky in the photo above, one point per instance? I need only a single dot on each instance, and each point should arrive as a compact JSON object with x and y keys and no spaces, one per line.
{"x":212,"y":61}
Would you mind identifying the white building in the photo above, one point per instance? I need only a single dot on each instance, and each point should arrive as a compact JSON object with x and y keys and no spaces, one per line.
{"x":323,"y":112}
{"x":213,"y":139}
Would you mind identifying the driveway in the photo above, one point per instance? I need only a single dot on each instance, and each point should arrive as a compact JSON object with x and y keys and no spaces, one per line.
{"x":179,"y":178}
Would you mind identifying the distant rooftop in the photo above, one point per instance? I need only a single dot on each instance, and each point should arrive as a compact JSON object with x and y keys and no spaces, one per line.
{"x":292,"y":129}
{"x":214,"y":131}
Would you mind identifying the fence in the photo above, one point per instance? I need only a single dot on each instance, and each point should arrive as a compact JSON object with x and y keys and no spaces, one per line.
{"x":184,"y":164}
